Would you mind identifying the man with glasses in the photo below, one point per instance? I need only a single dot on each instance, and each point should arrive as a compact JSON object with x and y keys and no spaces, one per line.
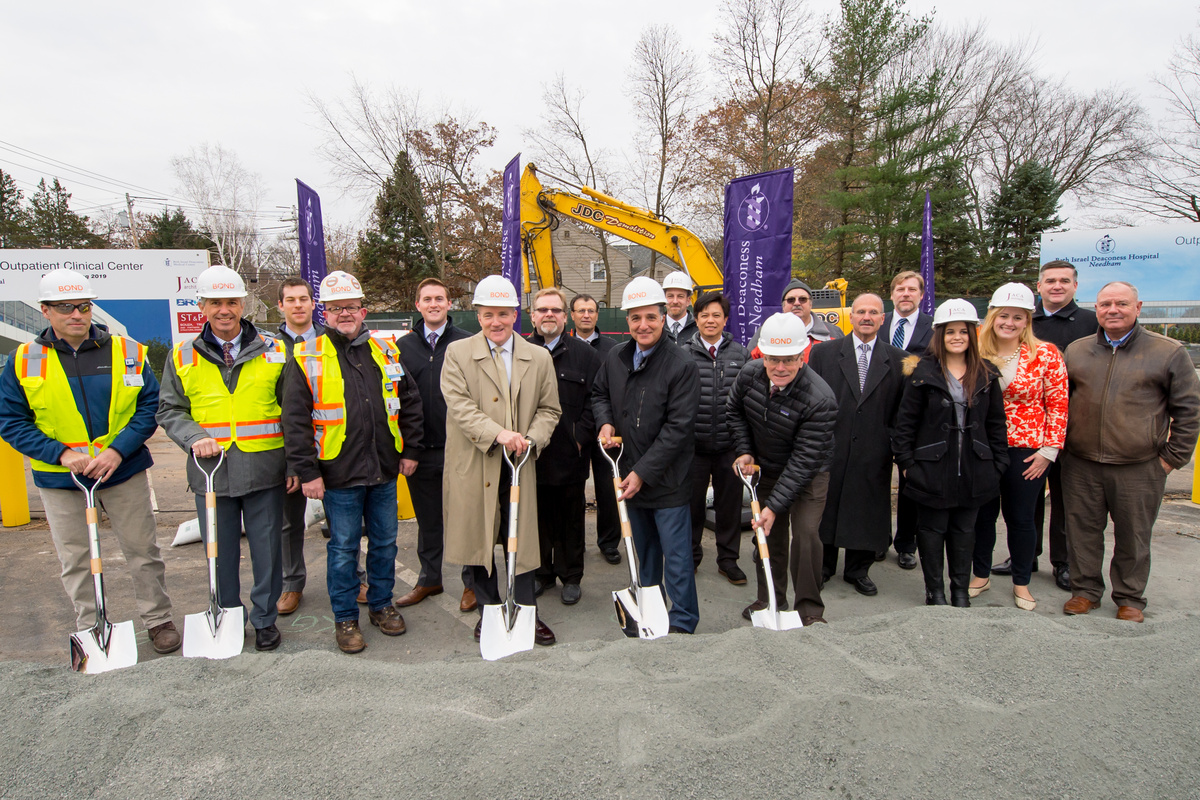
{"x":585,"y":314}
{"x":797,"y":299}
{"x":352,"y":423}
{"x":562,"y":467}
{"x":79,"y":399}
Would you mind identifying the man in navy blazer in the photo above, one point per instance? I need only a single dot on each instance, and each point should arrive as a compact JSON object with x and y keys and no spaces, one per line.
{"x":908,"y":328}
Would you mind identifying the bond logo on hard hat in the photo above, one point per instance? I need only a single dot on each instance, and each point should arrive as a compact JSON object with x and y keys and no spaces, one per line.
{"x":779,"y":340}
{"x":70,"y":287}
{"x":336,"y":289}
{"x":499,"y":295}
{"x":636,"y":295}
{"x":223,"y":286}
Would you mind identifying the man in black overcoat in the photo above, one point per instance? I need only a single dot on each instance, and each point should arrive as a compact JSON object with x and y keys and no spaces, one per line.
{"x":865,"y":374}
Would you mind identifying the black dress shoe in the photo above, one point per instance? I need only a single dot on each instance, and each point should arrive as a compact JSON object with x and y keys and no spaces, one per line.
{"x":677,"y":629}
{"x":1003,"y":568}
{"x":571,"y":594}
{"x":960,"y":599}
{"x":540,"y":587}
{"x":907,"y":560}
{"x":937,"y":598}
{"x":863,"y":585}
{"x":881,"y":555}
{"x":733,"y":574}
{"x":479,"y":629}
{"x":612,"y":556}
{"x":1062,"y":577}
{"x":757,"y":605}
{"x":267,"y":638}
{"x":543,"y":635}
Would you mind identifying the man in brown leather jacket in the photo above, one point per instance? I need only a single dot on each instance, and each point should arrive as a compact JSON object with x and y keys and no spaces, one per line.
{"x":1134,"y":417}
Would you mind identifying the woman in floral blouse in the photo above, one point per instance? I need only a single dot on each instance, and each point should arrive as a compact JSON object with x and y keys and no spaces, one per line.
{"x":1034,"y":379}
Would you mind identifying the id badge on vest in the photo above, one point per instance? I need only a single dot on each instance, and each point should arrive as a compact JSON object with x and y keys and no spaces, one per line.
{"x":394,"y":372}
{"x":133,"y":379}
{"x":275,"y":358}
{"x":393,"y":404}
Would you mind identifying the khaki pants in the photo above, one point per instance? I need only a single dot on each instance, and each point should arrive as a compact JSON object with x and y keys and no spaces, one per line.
{"x":128,"y":507}
{"x":1131,"y":494}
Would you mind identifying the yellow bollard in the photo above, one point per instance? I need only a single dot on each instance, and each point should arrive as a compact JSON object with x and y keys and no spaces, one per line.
{"x":14,"y":495}
{"x":404,"y":506}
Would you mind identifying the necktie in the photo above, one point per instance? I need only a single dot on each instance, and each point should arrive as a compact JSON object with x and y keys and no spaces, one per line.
{"x":675,"y":326}
{"x":227,"y":351}
{"x":502,"y":371}
{"x":863,"y":351}
{"x":898,"y":336}
{"x":712,"y":351}
{"x":432,"y":340}
{"x":774,"y":389}
{"x":638,"y":358}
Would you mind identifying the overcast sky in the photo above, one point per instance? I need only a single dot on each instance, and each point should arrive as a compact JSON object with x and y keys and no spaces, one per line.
{"x":117,"y":91}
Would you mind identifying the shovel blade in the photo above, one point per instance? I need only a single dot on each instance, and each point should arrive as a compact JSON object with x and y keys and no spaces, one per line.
{"x":776,"y":620}
{"x":496,"y":641}
{"x":87,"y":656}
{"x":199,"y":641}
{"x":643,"y":615}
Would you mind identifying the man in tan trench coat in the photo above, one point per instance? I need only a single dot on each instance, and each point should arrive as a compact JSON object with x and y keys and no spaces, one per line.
{"x":500,"y":391}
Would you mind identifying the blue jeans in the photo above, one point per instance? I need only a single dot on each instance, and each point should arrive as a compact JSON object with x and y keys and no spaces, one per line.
{"x":663,"y":539}
{"x":346,"y":510}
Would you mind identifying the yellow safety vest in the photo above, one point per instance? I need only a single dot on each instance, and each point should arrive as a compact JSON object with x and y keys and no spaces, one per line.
{"x":53,"y":404}
{"x":249,"y":417}
{"x":318,"y":359}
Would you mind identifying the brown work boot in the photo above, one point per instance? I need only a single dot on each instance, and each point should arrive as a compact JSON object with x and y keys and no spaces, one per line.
{"x":468,"y":602}
{"x":349,"y":637}
{"x":362,"y":594}
{"x":388,"y":620}
{"x":288,"y":603}
{"x":164,"y":638}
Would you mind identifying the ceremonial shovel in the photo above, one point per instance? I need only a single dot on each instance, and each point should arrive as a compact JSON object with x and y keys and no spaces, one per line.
{"x":104,"y":646}
{"x":216,"y":632}
{"x":509,"y":628}
{"x":641,"y":610}
{"x":770,"y":617}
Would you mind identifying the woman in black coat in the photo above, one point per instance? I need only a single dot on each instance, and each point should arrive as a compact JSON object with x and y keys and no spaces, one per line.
{"x":951,"y":442}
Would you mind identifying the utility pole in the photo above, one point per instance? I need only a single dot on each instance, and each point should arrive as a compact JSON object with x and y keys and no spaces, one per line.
{"x":132,"y":224}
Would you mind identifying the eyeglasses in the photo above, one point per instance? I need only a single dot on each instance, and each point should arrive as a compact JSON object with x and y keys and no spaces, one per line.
{"x":549,"y":311}
{"x":780,"y":359}
{"x":796,"y":301}
{"x":66,"y":309}
{"x":337,"y":312}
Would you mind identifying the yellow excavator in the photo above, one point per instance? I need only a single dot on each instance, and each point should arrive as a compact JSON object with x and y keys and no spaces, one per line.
{"x":541,"y":207}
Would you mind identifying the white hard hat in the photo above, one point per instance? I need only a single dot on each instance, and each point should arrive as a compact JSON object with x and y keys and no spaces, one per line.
{"x":1012,"y":295}
{"x":956,"y":310}
{"x":677,"y":280}
{"x":63,"y":284}
{"x":782,"y":334}
{"x":339,"y":285}
{"x":219,"y":281}
{"x":495,"y":290}
{"x":642,"y":291}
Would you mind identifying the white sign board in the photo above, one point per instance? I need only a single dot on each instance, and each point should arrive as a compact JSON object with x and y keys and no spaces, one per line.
{"x":1162,"y":261}
{"x":168,"y":275}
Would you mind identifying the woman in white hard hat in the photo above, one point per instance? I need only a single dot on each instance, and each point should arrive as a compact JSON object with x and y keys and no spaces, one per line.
{"x":1034,"y":381}
{"x":950,"y":442}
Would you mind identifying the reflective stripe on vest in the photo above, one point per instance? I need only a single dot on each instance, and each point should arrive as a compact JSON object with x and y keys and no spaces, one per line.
{"x":249,"y":417}
{"x":48,"y":392}
{"x":318,"y":358}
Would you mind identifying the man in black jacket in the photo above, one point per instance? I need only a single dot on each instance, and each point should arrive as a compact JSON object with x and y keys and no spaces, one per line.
{"x":908,"y":328}
{"x":296,"y":305}
{"x":1059,"y":320}
{"x":584,"y":314}
{"x":782,"y":417}
{"x":423,"y":350}
{"x":866,"y":375}
{"x":352,"y":424}
{"x":647,"y":392}
{"x":562,"y":466}
{"x":680,"y":325}
{"x":718,"y":359}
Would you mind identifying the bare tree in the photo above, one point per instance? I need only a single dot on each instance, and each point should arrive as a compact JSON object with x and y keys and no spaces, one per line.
{"x":564,"y":146}
{"x":665,"y":86}
{"x":227,"y":196}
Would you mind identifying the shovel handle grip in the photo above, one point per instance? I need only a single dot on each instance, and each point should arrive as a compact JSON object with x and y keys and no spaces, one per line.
{"x":97,"y":569}
{"x":615,"y":439}
{"x":93,"y":515}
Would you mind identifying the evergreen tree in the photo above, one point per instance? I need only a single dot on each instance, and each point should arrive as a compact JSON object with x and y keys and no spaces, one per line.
{"x":53,"y":224}
{"x":1020,"y":211}
{"x":174,"y":231}
{"x":14,"y":219}
{"x":394,"y":255}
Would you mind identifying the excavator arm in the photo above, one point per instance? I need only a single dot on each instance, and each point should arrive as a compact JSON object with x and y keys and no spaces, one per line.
{"x":541,"y":208}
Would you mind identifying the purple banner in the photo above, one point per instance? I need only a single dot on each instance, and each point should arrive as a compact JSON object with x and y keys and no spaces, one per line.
{"x":510,"y":230}
{"x":312,"y":240}
{"x":758,"y":248}
{"x":927,"y":257}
